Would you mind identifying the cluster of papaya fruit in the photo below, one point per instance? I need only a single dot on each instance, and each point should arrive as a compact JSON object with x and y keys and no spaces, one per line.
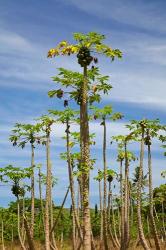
{"x":17,"y":190}
{"x":84,"y":56}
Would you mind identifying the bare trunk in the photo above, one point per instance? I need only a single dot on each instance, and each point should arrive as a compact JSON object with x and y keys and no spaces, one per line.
{"x":53,"y":242}
{"x":2,"y":235}
{"x":150,"y":244}
{"x":101,"y":212}
{"x":126,"y":203}
{"x":32,"y":192}
{"x":122,"y":205}
{"x":105,"y":224}
{"x":163,"y":221}
{"x":139,"y":196}
{"x":60,"y":212}
{"x":18,"y":224}
{"x":85,"y":161}
{"x":41,"y":200}
{"x":154,"y":229}
{"x":29,"y":236}
{"x":108,"y":217}
{"x":73,"y":231}
{"x":48,"y":192}
{"x":71,"y":180}
{"x":113,"y":220}
{"x":61,"y":240}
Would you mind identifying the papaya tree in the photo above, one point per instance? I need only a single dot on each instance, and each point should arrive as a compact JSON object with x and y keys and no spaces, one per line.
{"x":85,"y":46}
{"x":67,"y":117}
{"x":46,"y":123}
{"x":99,"y":178}
{"x":105,"y":114}
{"x":124,"y":156}
{"x":15,"y":175}
{"x":138,"y":128}
{"x":153,"y":130}
{"x":24,"y":134}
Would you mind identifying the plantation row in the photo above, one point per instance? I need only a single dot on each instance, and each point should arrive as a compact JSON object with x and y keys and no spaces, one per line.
{"x":121,"y":220}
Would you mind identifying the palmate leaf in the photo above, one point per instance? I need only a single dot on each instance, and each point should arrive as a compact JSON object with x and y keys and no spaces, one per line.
{"x":52,"y":93}
{"x":109,"y":172}
{"x":92,"y":40}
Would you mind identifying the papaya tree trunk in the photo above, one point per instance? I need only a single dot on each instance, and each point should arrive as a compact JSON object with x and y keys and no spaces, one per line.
{"x":32,"y":192}
{"x":29,"y":236}
{"x":122,"y":205}
{"x":108,"y":216}
{"x":53,"y":242}
{"x":152,"y":220}
{"x":60,"y":212}
{"x":85,"y":162}
{"x":126,"y":202}
{"x":101,"y":212}
{"x":71,"y":181}
{"x":73,"y":231}
{"x":105,"y":224}
{"x":18,"y":224}
{"x":163,"y":220}
{"x":48,"y":192}
{"x":139,"y":196}
{"x":2,"y":234}
{"x":113,"y":220}
{"x":41,"y":200}
{"x":150,"y":244}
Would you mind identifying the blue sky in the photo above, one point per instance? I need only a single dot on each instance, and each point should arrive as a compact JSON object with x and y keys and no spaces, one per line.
{"x":29,"y":28}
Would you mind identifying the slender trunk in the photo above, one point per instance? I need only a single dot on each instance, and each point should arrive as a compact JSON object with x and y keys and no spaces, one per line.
{"x":29,"y":236}
{"x":119,"y":223}
{"x":80,"y":179}
{"x":113,"y":220}
{"x":60,"y":212}
{"x":154,"y":229}
{"x":157,"y":218}
{"x":132,"y":212}
{"x":101,"y":212}
{"x":122,"y":205}
{"x":150,"y":244}
{"x":48,"y":192}
{"x":108,"y":217}
{"x":22,"y":221}
{"x":32,"y":191}
{"x":105,"y":224}
{"x":78,"y":210}
{"x":12,"y":236}
{"x":53,"y":242}
{"x":61,"y":240}
{"x":73,"y":231}
{"x":18,"y":224}
{"x":71,"y":181}
{"x":126,"y":203}
{"x":41,"y":200}
{"x":139,"y":196}
{"x":23,"y":226}
{"x":163,"y":221}
{"x":2,"y":235}
{"x":85,"y":162}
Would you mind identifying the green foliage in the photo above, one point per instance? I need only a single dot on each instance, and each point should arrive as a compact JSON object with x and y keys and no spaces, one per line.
{"x":92,"y":41}
{"x":16,"y":174}
{"x":67,"y":115}
{"x":72,"y":81}
{"x":130,"y":156}
{"x":109,"y":172}
{"x":25,"y":133}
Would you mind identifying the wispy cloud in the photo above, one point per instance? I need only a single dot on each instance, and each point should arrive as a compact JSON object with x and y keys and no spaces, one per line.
{"x":141,"y":14}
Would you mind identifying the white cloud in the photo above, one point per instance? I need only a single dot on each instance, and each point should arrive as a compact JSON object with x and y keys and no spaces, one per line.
{"x":145,"y":14}
{"x":15,"y":42}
